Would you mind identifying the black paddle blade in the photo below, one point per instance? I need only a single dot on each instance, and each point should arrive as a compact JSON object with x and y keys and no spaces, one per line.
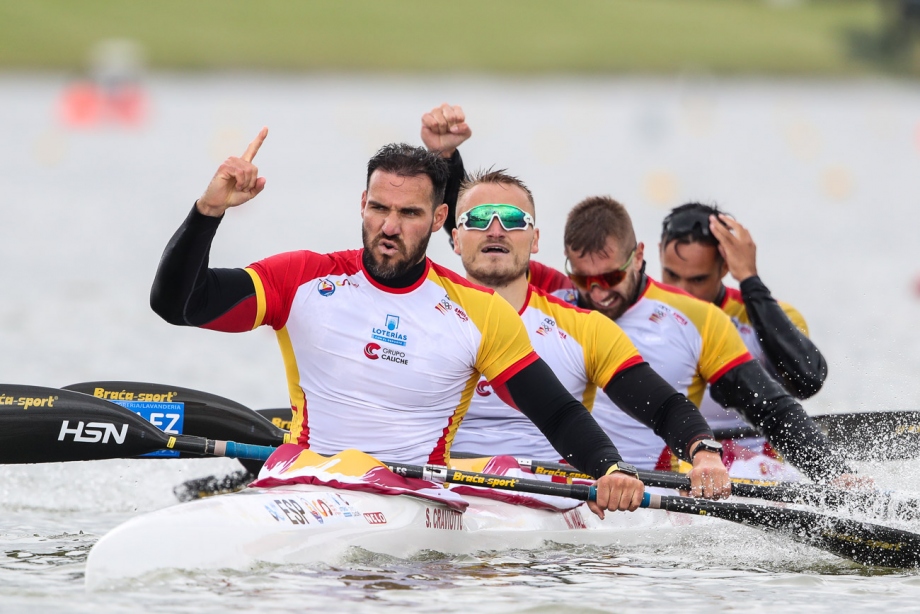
{"x":866,"y":543}
{"x":206,"y":415}
{"x":279,"y":416}
{"x":45,"y":425}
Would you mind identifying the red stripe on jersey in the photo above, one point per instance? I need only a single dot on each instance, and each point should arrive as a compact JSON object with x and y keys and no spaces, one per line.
{"x":504,"y":395}
{"x":732,"y":294}
{"x":555,"y":300}
{"x":390,"y":290}
{"x":513,"y":370}
{"x":547,"y":278}
{"x":238,"y":319}
{"x":728,"y":367}
{"x":437,"y":455}
{"x":304,"y":438}
{"x":283,"y":274}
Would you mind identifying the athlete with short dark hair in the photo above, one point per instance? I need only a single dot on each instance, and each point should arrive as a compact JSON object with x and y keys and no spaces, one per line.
{"x":382,"y":347}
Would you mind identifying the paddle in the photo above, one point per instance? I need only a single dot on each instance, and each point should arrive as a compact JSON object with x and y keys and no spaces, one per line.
{"x":210,"y":415}
{"x":877,"y":503}
{"x":862,"y":542}
{"x":49,"y":425}
{"x":876,"y":435}
{"x":41,"y":425}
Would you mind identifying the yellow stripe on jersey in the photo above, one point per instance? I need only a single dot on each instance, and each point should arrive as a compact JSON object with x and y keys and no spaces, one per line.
{"x":260,"y":298}
{"x":504,"y":340}
{"x":722,"y":346}
{"x":735,"y":308}
{"x":292,"y":374}
{"x":605,"y":346}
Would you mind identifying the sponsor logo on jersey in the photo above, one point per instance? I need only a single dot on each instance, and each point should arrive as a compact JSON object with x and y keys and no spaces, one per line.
{"x":658,"y":314}
{"x":93,"y":432}
{"x":326,"y":287}
{"x":483,"y":388}
{"x":395,"y":356}
{"x":346,"y":282}
{"x":389,"y":333}
{"x":546,"y":326}
{"x":370,"y":351}
{"x":461,"y":314}
{"x":444,"y":305}
{"x":681,"y":319}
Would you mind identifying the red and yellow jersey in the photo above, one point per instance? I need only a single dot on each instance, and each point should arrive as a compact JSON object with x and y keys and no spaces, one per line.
{"x":689,"y":342}
{"x":583,"y":348}
{"x":387,"y":371}
{"x":733,"y":305}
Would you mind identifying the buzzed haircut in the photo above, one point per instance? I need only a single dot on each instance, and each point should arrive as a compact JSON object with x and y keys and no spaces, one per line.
{"x":407,"y":161}
{"x":492,"y":176}
{"x":595,"y":219}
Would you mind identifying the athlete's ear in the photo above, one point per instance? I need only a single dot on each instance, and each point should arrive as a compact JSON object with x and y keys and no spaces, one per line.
{"x":535,"y":245}
{"x":363,"y":202}
{"x":455,"y":240}
{"x":440,"y":216}
{"x":640,"y":255}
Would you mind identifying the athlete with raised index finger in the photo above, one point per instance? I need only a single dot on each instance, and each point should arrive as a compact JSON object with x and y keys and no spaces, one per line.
{"x":382,"y":347}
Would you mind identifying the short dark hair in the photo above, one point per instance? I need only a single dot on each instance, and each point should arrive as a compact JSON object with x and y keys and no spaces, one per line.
{"x":689,"y":223}
{"x":408,"y":161}
{"x":493,"y":176}
{"x":592,"y":221}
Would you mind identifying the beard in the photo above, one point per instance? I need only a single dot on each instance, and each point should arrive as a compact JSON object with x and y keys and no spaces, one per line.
{"x":625,"y":292}
{"x":496,"y":276}
{"x":390,"y":267}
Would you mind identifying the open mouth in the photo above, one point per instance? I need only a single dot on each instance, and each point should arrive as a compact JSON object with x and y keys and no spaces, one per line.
{"x":494,"y":249}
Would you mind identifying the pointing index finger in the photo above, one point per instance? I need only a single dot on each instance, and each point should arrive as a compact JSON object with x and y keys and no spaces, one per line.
{"x":253,"y":147}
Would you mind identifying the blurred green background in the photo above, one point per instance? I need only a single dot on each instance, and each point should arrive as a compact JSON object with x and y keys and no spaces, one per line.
{"x":783,"y":37}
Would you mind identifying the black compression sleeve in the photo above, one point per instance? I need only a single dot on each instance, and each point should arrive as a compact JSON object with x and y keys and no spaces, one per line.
{"x":647,"y":397}
{"x":796,"y":358}
{"x":566,"y":423}
{"x":457,"y":174}
{"x":185,"y":292}
{"x":763,"y":402}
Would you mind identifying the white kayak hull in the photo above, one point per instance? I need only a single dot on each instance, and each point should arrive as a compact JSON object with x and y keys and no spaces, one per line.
{"x":306,"y":523}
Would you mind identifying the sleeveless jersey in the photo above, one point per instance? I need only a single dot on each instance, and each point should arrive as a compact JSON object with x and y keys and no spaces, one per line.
{"x":583,"y":348}
{"x":386,"y":371}
{"x":717,"y":416}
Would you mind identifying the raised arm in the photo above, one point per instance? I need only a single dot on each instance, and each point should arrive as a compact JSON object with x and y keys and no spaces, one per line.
{"x":795,"y":357}
{"x":185,"y":291}
{"x":444,"y":129}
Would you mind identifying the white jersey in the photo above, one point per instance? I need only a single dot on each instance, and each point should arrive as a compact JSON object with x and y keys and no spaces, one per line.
{"x":583,"y":348}
{"x":386,"y":371}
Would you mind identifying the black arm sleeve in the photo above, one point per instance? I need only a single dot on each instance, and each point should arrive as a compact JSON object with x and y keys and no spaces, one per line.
{"x":185,"y":291}
{"x":457,"y":174}
{"x":796,"y":358}
{"x":772,"y":411}
{"x":566,"y":423}
{"x":647,"y":397}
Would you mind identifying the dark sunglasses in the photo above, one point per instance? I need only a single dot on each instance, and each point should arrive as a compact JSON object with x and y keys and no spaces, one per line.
{"x":604,"y":281}
{"x":481,"y":216}
{"x":687,"y":223}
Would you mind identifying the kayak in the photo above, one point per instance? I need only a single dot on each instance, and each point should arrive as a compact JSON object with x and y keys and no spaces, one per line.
{"x":308,"y":523}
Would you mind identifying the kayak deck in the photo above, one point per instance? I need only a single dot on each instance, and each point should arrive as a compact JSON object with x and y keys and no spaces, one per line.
{"x":300,"y":524}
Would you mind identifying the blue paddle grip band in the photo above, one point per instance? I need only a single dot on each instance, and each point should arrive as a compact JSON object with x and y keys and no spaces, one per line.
{"x":646,"y":500}
{"x":592,"y":493}
{"x":250,"y":451}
